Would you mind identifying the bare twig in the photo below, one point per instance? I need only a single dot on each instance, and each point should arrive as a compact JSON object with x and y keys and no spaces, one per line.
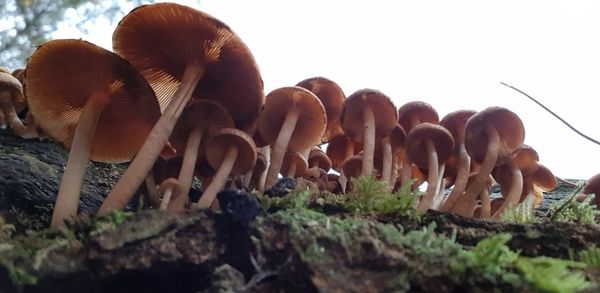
{"x":555,"y":115}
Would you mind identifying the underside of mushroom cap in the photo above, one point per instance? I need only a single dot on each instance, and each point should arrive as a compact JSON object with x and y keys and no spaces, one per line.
{"x":510,"y":129}
{"x":311,"y":120}
{"x":162,"y":39}
{"x":332,"y":97}
{"x":423,"y":112}
{"x":354,"y":106}
{"x":218,"y":146}
{"x":59,"y":82}
{"x":417,"y":150}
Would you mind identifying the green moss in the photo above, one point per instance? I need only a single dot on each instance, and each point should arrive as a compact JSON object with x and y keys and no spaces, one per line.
{"x":522,"y":213}
{"x":590,"y":256}
{"x":372,"y":195}
{"x":570,"y":210}
{"x":552,"y":275}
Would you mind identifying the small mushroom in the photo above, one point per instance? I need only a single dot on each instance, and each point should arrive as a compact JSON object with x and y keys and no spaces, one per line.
{"x":294,"y":164}
{"x":360,"y":123}
{"x":12,"y":101}
{"x":293,"y":119}
{"x":229,"y":151}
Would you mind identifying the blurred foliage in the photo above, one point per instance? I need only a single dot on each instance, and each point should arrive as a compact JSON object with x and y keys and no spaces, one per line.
{"x":24,"y":24}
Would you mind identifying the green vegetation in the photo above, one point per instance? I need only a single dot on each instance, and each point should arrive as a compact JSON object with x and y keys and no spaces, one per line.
{"x":522,"y":213}
{"x":570,"y":210}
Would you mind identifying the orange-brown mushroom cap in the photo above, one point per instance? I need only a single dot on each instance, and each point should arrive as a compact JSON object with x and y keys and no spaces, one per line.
{"x":352,"y":166}
{"x":208,"y":115}
{"x":381,"y":105}
{"x":297,"y":160}
{"x":419,"y":110}
{"x":415,"y":143}
{"x":161,"y":39}
{"x":61,"y":76}
{"x":332,"y":96}
{"x":509,"y":127}
{"x":218,"y":146}
{"x":311,"y":120}
{"x":317,"y":156}
{"x":12,"y":85}
{"x":336,"y":150}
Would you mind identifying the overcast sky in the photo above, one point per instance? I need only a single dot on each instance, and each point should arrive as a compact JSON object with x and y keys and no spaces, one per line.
{"x":451,"y":54}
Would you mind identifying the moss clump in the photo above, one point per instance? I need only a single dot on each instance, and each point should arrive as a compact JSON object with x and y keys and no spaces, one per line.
{"x":570,"y":210}
{"x":521,"y":213}
{"x":590,"y":256}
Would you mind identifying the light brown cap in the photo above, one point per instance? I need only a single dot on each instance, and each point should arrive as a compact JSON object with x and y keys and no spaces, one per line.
{"x":352,"y":166}
{"x":161,"y":39}
{"x":419,"y":110}
{"x":510,"y":129}
{"x":19,"y":74}
{"x":12,"y":85}
{"x":527,"y":159}
{"x":293,"y":158}
{"x":332,"y":97}
{"x":207,"y":115}
{"x":417,"y":150}
{"x":311,"y":120}
{"x":455,"y":123}
{"x":544,"y":178}
{"x":352,"y":114}
{"x":336,"y":150}
{"x":317,"y":155}
{"x":218,"y":146}
{"x":61,"y":75}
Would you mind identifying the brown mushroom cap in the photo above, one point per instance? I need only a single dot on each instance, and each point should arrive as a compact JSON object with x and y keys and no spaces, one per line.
{"x":455,"y":123}
{"x":527,"y":159}
{"x":317,"y":156}
{"x":12,"y":85}
{"x":509,"y":127}
{"x":311,"y":120}
{"x":59,"y":82}
{"x":336,"y":150}
{"x":19,"y":74}
{"x":161,"y":39}
{"x":296,"y":159}
{"x":415,"y":143}
{"x":544,"y":178}
{"x":352,"y":166}
{"x":209,"y":115}
{"x":218,"y":146}
{"x":332,"y":97}
{"x":352,"y":114}
{"x":419,"y":110}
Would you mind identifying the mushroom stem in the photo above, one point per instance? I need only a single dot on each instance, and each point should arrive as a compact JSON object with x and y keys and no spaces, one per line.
{"x":514,"y":193}
{"x":218,"y":182}
{"x":166,"y":199}
{"x":125,"y":188}
{"x":387,"y":159}
{"x":486,"y":206}
{"x":462,"y":177}
{"x":186,"y":173}
{"x":432,"y":177}
{"x":263,"y":175}
{"x":10,"y":115}
{"x":153,"y":195}
{"x":291,"y":171}
{"x":69,"y":190}
{"x":474,"y":189}
{"x":285,"y":133}
{"x":368,"y":142}
{"x":394,"y":171}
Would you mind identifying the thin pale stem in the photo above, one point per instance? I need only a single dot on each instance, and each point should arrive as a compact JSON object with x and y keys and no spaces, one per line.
{"x":432,"y":177}
{"x":186,"y":173}
{"x":486,"y":205}
{"x":511,"y":199}
{"x":263,"y":175}
{"x":126,"y":187}
{"x":153,"y":195}
{"x":368,"y":142}
{"x":69,"y":190}
{"x":386,"y":170}
{"x":462,"y":175}
{"x":281,"y":144}
{"x":218,"y":183}
{"x":10,"y":115}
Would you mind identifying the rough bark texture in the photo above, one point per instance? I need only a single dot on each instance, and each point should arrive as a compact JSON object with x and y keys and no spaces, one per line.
{"x":196,"y":251}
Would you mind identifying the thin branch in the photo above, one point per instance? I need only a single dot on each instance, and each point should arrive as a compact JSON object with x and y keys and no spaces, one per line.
{"x":555,"y":115}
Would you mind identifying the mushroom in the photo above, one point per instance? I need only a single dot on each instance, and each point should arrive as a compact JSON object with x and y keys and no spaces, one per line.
{"x":410,"y":115}
{"x":592,"y":186}
{"x":178,"y":47}
{"x":12,"y":101}
{"x":253,"y":177}
{"x":317,"y":158}
{"x":229,"y":151}
{"x":542,"y":180}
{"x":104,"y":114}
{"x":360,"y":123}
{"x":458,"y":165}
{"x":492,"y":138}
{"x":170,"y":189}
{"x":338,"y":150}
{"x":390,"y":146}
{"x":200,"y":120}
{"x":332,"y":97}
{"x":352,"y":166}
{"x":429,"y":145}
{"x":293,"y":164}
{"x":293,"y":119}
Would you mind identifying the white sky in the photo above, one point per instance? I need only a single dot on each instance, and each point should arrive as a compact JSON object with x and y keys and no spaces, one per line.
{"x":451,"y":54}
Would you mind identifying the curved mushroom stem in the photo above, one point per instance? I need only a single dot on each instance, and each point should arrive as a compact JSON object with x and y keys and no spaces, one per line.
{"x":432,"y":177}
{"x":368,"y":142}
{"x":343,"y":179}
{"x":166,"y":199}
{"x":474,"y":189}
{"x":186,"y":173}
{"x":263,"y":175}
{"x":125,"y":188}
{"x":438,"y":196}
{"x":69,"y":190}
{"x":514,"y":193}
{"x":10,"y":116}
{"x":486,"y":207}
{"x":462,"y":177}
{"x":386,"y":171}
{"x":394,"y":171}
{"x":153,"y":195}
{"x":281,"y":144}
{"x":208,"y":196}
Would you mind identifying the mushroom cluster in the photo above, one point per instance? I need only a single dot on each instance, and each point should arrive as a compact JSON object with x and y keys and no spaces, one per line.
{"x":181,"y":97}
